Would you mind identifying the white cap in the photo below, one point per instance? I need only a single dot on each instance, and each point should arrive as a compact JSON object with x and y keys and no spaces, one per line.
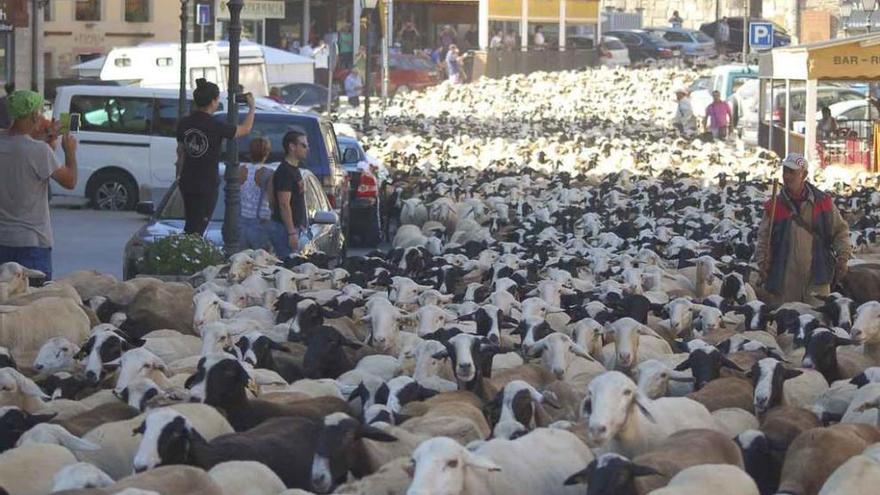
{"x":795,"y":161}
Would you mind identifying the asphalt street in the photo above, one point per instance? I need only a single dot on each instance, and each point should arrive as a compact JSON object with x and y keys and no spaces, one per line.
{"x":91,"y":239}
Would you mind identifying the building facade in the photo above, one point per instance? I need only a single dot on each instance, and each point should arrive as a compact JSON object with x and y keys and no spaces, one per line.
{"x":16,"y":44}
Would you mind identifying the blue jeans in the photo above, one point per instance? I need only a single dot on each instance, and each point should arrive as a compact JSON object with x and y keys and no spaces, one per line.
{"x":35,"y":258}
{"x":280,"y":240}
{"x":255,"y":233}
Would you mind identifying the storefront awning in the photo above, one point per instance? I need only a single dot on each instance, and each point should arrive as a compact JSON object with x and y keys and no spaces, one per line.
{"x":856,"y":58}
{"x":576,"y":11}
{"x":859,"y":20}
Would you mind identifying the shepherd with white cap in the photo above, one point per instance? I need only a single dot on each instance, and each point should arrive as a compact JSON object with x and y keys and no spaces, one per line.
{"x":803,"y":242}
{"x":684,"y":120}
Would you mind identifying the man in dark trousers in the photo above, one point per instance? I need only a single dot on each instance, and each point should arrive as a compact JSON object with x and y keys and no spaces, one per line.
{"x":289,"y":229}
{"x":199,"y":143}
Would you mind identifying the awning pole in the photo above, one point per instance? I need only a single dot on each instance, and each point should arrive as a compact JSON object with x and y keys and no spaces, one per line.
{"x":787,"y":115}
{"x":524,"y":26}
{"x":810,"y":117}
{"x":770,"y":123}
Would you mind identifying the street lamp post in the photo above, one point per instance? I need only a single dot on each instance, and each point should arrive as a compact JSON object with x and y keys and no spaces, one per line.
{"x":869,"y":6}
{"x":232,"y":188}
{"x":368,"y":7}
{"x":181,"y":103}
{"x":846,"y":8}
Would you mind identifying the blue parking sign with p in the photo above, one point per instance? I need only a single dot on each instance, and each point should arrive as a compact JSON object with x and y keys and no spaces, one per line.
{"x":203,"y":14}
{"x":761,"y":35}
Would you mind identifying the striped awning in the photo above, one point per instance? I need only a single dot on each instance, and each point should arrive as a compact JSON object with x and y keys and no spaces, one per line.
{"x":858,"y":19}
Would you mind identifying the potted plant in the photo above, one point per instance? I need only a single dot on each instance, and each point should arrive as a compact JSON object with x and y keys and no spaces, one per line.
{"x":177,"y":257}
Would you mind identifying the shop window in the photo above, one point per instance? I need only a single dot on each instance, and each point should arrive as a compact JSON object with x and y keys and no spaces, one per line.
{"x":137,"y":10}
{"x":88,"y":10}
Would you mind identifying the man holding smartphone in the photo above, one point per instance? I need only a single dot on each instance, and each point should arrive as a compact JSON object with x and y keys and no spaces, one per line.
{"x":29,"y":161}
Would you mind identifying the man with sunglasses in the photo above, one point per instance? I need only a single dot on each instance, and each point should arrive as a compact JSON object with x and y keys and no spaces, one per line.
{"x":288,"y":205}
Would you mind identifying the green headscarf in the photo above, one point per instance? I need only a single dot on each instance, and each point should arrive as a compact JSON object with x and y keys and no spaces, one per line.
{"x":23,"y":102}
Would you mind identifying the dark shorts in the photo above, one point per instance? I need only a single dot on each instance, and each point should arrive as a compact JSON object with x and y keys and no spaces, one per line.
{"x":198,"y":208}
{"x":35,"y":258}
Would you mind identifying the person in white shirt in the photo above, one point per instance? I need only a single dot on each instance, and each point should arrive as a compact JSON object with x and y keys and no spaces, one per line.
{"x":684,"y":120}
{"x":539,"y":41}
{"x":497,"y":41}
{"x":321,"y":54}
{"x":353,"y":87}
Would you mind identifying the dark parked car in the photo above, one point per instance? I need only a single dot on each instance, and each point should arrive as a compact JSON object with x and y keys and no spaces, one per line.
{"x":324,"y":158}
{"x":167,"y":219}
{"x":644,"y":46}
{"x":308,"y":95}
{"x":780,"y":35}
{"x":364,"y":194}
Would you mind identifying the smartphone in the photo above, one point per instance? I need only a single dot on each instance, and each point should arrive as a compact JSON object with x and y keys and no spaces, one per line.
{"x":74,"y":122}
{"x":64,"y":119}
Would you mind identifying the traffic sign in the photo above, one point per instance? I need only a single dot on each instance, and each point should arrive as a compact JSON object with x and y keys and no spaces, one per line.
{"x":203,"y":14}
{"x":761,"y":35}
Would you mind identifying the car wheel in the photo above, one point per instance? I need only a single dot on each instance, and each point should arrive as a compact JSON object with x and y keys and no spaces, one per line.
{"x":649,"y":61}
{"x":112,"y":191}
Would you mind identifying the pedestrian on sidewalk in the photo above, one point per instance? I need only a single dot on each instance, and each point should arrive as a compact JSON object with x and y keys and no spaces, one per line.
{"x":722,"y":35}
{"x":803,"y":241}
{"x":28,"y":158}
{"x":353,"y":88}
{"x":322,"y":63}
{"x":719,"y":117}
{"x":256,"y":216}
{"x":345,"y":45}
{"x":199,"y":143}
{"x":675,"y":21}
{"x":684,"y":120}
{"x":454,"y":65}
{"x":289,"y":223}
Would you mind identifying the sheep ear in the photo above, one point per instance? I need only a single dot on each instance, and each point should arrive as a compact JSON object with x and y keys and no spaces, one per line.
{"x":791,"y":373}
{"x":467,"y":317}
{"x":27,"y":386}
{"x":581,"y":477}
{"x":579,"y":351}
{"x":550,"y":398}
{"x":375,"y":434}
{"x":844,"y":341}
{"x":638,"y":470}
{"x":684,"y":365}
{"x":444,"y":354}
{"x":140,"y":429}
{"x":725,"y":361}
{"x":34,"y":273}
{"x":480,"y":462}
{"x":640,"y":402}
{"x":72,"y":442}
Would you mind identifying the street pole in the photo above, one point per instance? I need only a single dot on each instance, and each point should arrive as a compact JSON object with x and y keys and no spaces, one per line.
{"x":745,"y":35}
{"x":386,"y":48}
{"x":36,"y":45}
{"x":368,"y":68}
{"x":232,"y":188}
{"x":181,"y":102}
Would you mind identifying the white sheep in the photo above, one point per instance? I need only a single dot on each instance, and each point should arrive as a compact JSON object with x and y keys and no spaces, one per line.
{"x":80,"y":476}
{"x":56,"y":355}
{"x":625,"y":421}
{"x":30,"y":469}
{"x":860,"y":475}
{"x":538,"y":462}
{"x":567,"y":360}
{"x":715,"y":479}
{"x":633,"y":343}
{"x":24,"y":329}
{"x":253,"y":478}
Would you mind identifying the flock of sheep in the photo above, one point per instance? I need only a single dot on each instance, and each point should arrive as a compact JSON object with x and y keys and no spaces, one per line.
{"x":567,"y":307}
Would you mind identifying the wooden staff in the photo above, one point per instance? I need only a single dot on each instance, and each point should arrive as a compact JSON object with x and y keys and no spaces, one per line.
{"x":766,"y":268}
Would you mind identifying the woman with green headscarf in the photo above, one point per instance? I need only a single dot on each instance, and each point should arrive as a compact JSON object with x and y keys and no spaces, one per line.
{"x":27,"y":152}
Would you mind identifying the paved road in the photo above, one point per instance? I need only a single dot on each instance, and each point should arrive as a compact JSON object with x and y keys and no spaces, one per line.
{"x":90,"y":239}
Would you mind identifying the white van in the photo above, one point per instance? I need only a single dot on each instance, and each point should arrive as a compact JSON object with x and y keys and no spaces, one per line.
{"x":127,"y":141}
{"x":157,"y":65}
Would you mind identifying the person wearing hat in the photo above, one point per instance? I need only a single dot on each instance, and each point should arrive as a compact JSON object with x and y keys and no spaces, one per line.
{"x":803,"y":242}
{"x":684,"y":120}
{"x":28,"y":162}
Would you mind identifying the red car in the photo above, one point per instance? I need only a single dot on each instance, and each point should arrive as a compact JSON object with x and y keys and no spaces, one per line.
{"x":408,"y":73}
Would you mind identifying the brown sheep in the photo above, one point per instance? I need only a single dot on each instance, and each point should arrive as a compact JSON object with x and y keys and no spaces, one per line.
{"x":816,"y":453}
{"x":725,"y":392}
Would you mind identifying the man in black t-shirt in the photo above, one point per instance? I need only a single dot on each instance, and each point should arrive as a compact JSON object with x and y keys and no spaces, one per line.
{"x":199,"y":144}
{"x":288,"y":193}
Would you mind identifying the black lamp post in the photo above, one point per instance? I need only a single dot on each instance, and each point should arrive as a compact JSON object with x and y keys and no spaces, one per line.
{"x":181,"y":104}
{"x":232,"y":188}
{"x":368,"y":7}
